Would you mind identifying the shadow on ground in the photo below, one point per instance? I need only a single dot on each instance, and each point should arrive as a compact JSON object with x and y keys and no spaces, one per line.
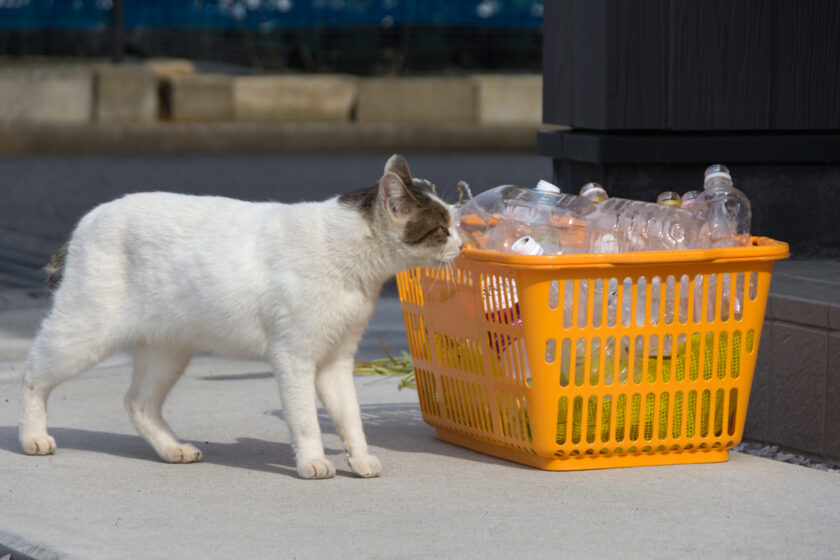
{"x":396,"y":427}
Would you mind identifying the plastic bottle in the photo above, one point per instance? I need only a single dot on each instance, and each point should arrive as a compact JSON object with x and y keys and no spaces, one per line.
{"x":727,"y":216}
{"x":500,"y":218}
{"x":594,"y":192}
{"x":620,"y":225}
{"x":669,"y":198}
{"x":725,"y":209}
{"x":689,"y":198}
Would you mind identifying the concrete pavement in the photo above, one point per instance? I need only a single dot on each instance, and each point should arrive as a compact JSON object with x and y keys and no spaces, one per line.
{"x":104,"y":494}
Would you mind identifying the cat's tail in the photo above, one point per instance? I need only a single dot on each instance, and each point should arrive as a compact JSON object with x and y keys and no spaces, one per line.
{"x":55,"y":268}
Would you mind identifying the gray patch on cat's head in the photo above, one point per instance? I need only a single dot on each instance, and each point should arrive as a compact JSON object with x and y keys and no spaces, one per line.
{"x":406,"y":210}
{"x":406,"y":195}
{"x":429,"y":223}
{"x":362,"y":200}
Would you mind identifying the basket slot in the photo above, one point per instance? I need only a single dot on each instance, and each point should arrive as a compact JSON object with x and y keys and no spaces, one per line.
{"x":466,"y":404}
{"x":500,"y":300}
{"x":753,"y":286}
{"x":722,"y":355}
{"x":733,"y":411}
{"x":462,"y":354}
{"x":725,"y":296}
{"x":612,"y":299}
{"x":739,"y":296}
{"x":569,"y":305}
{"x":737,"y":348}
{"x":683,"y":296}
{"x":410,"y":286}
{"x":418,"y":336}
{"x":679,"y":357}
{"x":427,"y":392}
{"x":514,"y":421}
{"x":553,"y":294}
{"x":565,"y":361}
{"x":712,"y":295}
{"x":678,"y":424}
{"x":596,"y":304}
{"x":550,"y":350}
{"x":584,"y":303}
{"x":641,"y":298}
{"x":666,"y":358}
{"x":750,"y":342}
{"x":509,"y":360}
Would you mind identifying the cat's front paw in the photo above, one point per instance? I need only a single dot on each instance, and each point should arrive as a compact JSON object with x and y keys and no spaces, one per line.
{"x":40,"y":444}
{"x":366,"y":466}
{"x":316,"y":468}
{"x":184,"y":453}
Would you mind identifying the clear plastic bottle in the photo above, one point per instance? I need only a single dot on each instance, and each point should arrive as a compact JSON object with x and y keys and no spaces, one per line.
{"x":668,"y":198}
{"x":725,"y":209}
{"x":500,"y":218}
{"x":620,"y":225}
{"x":689,"y":198}
{"x":594,"y":192}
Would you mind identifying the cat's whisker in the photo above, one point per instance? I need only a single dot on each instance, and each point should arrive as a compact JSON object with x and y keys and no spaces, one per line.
{"x":434,"y":280}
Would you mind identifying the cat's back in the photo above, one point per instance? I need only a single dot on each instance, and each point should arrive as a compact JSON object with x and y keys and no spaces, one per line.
{"x":173,"y":215}
{"x":159,"y":205}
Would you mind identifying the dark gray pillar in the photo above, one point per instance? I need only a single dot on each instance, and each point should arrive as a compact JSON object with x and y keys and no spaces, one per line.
{"x":655,"y":90}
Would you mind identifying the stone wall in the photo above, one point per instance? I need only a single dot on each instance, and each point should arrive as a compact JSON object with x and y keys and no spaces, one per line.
{"x":172,"y":91}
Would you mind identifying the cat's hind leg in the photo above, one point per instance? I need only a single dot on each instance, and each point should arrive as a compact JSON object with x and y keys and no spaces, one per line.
{"x":156,"y":369}
{"x":61,"y":350}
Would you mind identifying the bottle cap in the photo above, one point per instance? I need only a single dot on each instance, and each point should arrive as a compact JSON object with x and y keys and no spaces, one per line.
{"x":716,"y":168}
{"x":545,"y":186}
{"x":668,"y":198}
{"x":716,"y":171}
{"x":594,"y":192}
{"x":526,"y":246}
{"x":688,"y":198}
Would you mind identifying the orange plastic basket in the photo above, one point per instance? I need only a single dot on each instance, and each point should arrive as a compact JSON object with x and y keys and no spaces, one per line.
{"x":574,"y":362}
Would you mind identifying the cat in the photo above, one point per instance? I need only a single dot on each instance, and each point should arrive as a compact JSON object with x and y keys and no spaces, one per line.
{"x":170,"y":275}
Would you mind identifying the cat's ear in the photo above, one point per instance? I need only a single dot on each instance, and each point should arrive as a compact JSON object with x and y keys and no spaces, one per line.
{"x":399,"y":166}
{"x":395,"y":196}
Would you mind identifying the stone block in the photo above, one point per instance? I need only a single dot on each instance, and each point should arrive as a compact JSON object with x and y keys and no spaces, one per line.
{"x":796,"y":414}
{"x":199,"y":98}
{"x":126,"y":93}
{"x":165,"y":68}
{"x":416,"y":100}
{"x":831,"y":441}
{"x":758,"y":410}
{"x":834,"y":317}
{"x":801,"y":311}
{"x":513,"y":99}
{"x":46,"y":95}
{"x":294,"y":98}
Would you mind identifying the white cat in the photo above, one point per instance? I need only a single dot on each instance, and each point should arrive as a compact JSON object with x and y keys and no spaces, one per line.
{"x":170,"y":275}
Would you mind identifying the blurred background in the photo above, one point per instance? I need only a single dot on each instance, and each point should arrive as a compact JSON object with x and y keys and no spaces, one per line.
{"x":253,"y":98}
{"x":357,"y":36}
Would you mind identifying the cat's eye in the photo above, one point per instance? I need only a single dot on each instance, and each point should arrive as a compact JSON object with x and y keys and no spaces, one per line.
{"x":445,"y":231}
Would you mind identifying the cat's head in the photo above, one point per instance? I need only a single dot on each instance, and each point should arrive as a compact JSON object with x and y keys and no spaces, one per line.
{"x":415,"y":223}
{"x":422,"y":222}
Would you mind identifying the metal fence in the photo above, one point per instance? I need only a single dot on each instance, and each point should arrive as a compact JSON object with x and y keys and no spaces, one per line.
{"x":361,"y":36}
